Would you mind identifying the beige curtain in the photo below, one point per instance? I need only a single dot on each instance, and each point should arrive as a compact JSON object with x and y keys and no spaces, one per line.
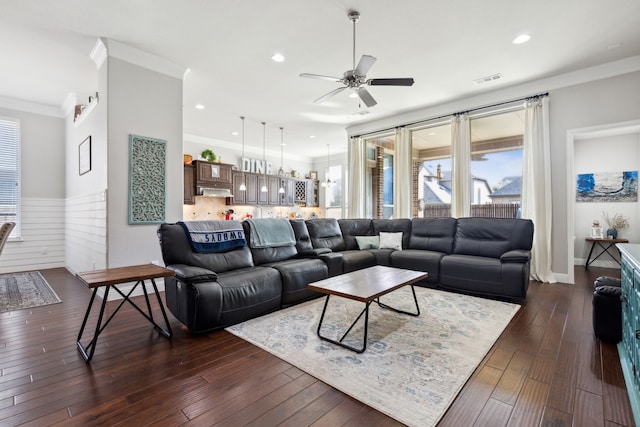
{"x":357,"y":175}
{"x":536,"y":185}
{"x":461,"y":166}
{"x":402,"y":174}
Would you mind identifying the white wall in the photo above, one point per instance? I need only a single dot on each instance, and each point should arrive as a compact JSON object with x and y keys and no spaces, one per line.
{"x":86,"y":195}
{"x":42,"y":179}
{"x":147,"y":103}
{"x":605,"y":154}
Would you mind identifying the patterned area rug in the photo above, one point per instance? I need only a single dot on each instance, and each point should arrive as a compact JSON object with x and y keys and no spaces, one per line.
{"x":25,"y":290}
{"x":413,"y":367}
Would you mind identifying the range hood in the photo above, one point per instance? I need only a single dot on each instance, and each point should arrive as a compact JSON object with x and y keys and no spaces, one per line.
{"x":216,"y":192}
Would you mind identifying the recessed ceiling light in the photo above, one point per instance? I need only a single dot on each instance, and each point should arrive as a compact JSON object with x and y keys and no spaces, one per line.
{"x":522,"y":38}
{"x":312,"y":136}
{"x":235,"y":133}
{"x":278,"y":57}
{"x":353,"y":95}
{"x":431,"y":133}
{"x":200,"y":106}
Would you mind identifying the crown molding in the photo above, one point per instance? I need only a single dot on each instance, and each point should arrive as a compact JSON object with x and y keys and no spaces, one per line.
{"x":143,"y":59}
{"x":30,"y":107}
{"x":237,"y":146}
{"x":527,"y":88}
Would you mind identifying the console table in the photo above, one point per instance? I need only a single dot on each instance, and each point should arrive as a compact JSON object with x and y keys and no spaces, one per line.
{"x":605,"y":249}
{"x":111,"y":277}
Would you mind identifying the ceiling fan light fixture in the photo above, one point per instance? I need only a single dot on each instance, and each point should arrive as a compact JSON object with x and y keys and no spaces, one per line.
{"x":356,"y":77}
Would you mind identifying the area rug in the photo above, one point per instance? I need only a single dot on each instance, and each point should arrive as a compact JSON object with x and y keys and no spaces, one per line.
{"x":25,"y":290}
{"x":413,"y":367}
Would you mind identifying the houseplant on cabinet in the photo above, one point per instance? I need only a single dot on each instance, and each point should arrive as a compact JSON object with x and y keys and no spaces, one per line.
{"x":208,"y":155}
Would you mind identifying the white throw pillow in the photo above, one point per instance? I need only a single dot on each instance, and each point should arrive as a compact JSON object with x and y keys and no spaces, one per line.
{"x":391,"y":241}
{"x":368,"y":242}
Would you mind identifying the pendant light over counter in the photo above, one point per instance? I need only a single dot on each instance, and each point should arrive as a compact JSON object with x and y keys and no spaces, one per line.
{"x":243,"y":186}
{"x":264,"y":189}
{"x":327,"y":182}
{"x":281,"y":170}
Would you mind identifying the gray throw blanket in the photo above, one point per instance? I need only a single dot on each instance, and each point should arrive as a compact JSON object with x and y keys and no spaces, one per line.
{"x":214,"y":236}
{"x":270,"y":232}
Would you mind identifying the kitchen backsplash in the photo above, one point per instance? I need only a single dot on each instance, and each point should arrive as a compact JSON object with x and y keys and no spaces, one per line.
{"x":211,"y":208}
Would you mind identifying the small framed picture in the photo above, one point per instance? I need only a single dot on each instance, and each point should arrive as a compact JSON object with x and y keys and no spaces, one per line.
{"x":313,"y":174}
{"x":84,"y":156}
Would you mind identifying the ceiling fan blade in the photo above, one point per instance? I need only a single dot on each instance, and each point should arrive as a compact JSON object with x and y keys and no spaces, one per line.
{"x":364,"y":65}
{"x":329,"y":95}
{"x":366,"y":97}
{"x":321,"y":77}
{"x":391,"y":82}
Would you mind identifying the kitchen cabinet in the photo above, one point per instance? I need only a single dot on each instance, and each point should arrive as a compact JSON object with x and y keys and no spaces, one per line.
{"x":306,"y":193}
{"x":253,"y":195}
{"x":248,"y":196}
{"x":212,"y":175}
{"x":189,"y":192}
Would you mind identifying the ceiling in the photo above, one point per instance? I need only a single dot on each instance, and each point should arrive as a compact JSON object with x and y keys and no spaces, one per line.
{"x":227,"y":46}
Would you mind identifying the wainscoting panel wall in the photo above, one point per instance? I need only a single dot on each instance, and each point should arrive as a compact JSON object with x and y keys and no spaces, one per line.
{"x":86,"y":232}
{"x":42,"y":243}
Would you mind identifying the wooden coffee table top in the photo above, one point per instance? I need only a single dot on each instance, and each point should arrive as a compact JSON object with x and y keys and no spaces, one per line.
{"x":114,"y":276}
{"x":369,"y":283}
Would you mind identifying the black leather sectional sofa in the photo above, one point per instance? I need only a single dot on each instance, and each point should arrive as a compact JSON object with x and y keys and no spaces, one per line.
{"x":482,"y":256}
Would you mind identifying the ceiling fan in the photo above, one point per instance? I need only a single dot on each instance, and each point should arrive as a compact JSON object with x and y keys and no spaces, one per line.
{"x":356,"y":78}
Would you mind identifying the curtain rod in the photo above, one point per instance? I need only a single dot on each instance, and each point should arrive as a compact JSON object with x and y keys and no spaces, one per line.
{"x":526,"y":98}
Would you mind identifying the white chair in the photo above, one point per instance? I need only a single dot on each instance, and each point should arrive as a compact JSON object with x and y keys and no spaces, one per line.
{"x":5,"y":231}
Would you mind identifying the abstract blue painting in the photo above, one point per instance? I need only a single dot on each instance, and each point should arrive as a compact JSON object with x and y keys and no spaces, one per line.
{"x":607,"y":187}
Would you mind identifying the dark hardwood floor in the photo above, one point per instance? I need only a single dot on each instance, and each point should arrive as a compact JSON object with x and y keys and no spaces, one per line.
{"x":546,"y":369}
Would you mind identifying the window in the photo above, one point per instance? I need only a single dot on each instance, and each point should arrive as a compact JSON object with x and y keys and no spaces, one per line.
{"x":10,"y":173}
{"x":496,"y":166}
{"x":432,"y":157}
{"x":379,"y":177}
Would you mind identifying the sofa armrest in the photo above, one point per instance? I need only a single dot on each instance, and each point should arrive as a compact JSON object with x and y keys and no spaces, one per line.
{"x":312,"y":253}
{"x":192,"y":274}
{"x":519,"y":256}
{"x":609,"y":291}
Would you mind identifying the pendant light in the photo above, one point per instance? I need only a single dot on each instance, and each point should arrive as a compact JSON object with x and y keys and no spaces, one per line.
{"x":243,"y":186}
{"x":327,"y":181}
{"x":281,"y":171}
{"x":264,"y":189}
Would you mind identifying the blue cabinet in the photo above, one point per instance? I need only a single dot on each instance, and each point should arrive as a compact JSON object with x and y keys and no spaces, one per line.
{"x":629,"y":347}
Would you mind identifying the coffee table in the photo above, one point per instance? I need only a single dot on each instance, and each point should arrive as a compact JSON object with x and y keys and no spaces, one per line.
{"x":366,"y":285}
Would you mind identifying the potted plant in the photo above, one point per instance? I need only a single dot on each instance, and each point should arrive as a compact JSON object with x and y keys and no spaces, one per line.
{"x":615,"y":223}
{"x":208,"y":155}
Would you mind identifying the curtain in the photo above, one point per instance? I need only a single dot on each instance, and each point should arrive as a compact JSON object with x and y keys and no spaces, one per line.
{"x":402,"y":174}
{"x":536,"y":185}
{"x":461,"y":166}
{"x":357,"y":173}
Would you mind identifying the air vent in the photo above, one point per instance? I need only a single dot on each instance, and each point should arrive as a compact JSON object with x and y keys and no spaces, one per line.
{"x":488,"y":79}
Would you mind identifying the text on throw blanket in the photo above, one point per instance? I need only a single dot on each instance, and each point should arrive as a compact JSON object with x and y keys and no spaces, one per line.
{"x":217,"y":236}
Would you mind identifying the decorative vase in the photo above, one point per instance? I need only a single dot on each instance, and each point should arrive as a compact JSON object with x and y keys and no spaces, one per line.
{"x":612,"y":233}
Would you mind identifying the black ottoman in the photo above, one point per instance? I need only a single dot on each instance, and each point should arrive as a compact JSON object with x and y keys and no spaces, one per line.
{"x":607,"y":309}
